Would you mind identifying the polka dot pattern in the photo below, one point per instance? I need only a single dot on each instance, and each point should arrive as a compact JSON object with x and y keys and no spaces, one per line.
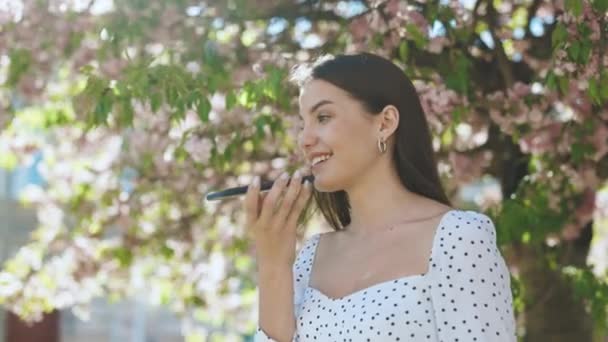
{"x":464,"y":296}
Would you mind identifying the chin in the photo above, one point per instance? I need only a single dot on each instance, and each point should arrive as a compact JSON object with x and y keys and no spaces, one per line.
{"x":322,"y":184}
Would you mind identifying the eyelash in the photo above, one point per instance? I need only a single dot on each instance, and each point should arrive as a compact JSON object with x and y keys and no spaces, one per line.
{"x":322,"y":116}
{"x":301,"y":125}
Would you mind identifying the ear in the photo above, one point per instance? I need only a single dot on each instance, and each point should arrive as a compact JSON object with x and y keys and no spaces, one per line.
{"x":389,"y":121}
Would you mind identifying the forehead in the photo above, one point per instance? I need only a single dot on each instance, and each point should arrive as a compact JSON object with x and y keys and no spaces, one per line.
{"x":316,"y":91}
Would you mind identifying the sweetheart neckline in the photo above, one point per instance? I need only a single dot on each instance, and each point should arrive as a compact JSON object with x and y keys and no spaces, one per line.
{"x":373,"y":286}
{"x":407,"y":278}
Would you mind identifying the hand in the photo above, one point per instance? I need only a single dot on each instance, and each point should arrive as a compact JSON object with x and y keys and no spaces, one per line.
{"x":271,"y":219}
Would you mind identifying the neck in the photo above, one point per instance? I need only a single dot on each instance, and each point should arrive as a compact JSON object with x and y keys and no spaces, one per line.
{"x":378,"y":199}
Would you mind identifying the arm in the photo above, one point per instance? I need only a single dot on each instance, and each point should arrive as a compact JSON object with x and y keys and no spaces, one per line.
{"x":281,"y":293}
{"x":471,"y":294}
{"x":276,"y":308}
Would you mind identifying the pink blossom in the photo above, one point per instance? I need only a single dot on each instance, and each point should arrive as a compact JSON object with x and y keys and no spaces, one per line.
{"x":392,"y":7}
{"x":520,"y":89}
{"x":392,"y":40}
{"x":376,"y":22}
{"x":595,"y":30}
{"x":599,"y":139}
{"x":417,"y":19}
{"x":359,"y":28}
{"x":540,"y":141}
{"x":467,"y":168}
{"x":582,"y":215}
{"x":113,"y":68}
{"x":579,"y":102}
{"x":199,"y":149}
{"x":436,"y":44}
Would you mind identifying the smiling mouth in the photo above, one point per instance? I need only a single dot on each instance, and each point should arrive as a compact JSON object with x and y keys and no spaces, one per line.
{"x":321,"y":162}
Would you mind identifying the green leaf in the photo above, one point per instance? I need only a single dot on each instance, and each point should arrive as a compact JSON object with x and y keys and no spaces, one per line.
{"x":20,"y":63}
{"x":155,"y":101}
{"x":559,"y":35}
{"x":457,"y":114}
{"x":574,"y":6}
{"x":594,"y":91}
{"x":584,"y":30}
{"x":481,"y":27}
{"x":171,"y":95}
{"x":580,"y":151}
{"x":551,"y":81}
{"x":125,"y":112}
{"x":604,"y":87}
{"x":600,"y":5}
{"x":458,"y":79}
{"x":123,"y":255}
{"x":8,"y":160}
{"x":230,"y":100}
{"x":419,"y":39}
{"x":574,"y":50}
{"x":57,"y":117}
{"x":403,"y":51}
{"x":259,"y":123}
{"x":583,"y":57}
{"x":103,"y":108}
{"x":167,"y":252}
{"x":447,"y":137}
{"x":563,"y":84}
{"x":203,"y":108}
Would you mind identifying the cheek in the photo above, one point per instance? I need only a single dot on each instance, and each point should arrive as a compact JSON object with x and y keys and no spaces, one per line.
{"x":348,"y":139}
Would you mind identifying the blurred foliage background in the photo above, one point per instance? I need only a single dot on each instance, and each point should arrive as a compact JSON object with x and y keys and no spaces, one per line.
{"x":134,"y":109}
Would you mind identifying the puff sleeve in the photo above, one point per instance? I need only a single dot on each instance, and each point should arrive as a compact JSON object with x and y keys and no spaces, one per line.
{"x":471,"y":292}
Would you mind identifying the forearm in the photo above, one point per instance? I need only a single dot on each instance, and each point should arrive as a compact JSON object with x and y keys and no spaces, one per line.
{"x":276,"y":308}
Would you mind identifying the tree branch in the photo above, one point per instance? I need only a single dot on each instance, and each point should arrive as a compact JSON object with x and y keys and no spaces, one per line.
{"x":504,"y":65}
{"x":289,"y":11}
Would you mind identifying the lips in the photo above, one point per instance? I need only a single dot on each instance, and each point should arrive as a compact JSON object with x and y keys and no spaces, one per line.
{"x":320,"y":163}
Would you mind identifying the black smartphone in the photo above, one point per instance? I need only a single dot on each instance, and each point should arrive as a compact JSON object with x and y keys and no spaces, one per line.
{"x":241,"y":190}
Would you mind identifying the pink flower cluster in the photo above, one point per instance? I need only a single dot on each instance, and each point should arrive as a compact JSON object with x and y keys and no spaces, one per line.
{"x":438,"y":102}
{"x":396,"y":22}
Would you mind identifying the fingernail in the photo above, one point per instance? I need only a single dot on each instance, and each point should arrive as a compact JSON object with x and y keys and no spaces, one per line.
{"x":285,"y":176}
{"x":256,"y":181}
{"x":297,"y":174}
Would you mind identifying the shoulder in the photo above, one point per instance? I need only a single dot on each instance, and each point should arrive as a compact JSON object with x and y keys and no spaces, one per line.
{"x":304,"y":260}
{"x":307,"y":248}
{"x":468,"y":224}
{"x":467,"y":246}
{"x":309,"y":242}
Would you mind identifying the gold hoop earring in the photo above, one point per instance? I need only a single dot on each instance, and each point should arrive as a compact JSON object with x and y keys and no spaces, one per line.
{"x":381,"y":145}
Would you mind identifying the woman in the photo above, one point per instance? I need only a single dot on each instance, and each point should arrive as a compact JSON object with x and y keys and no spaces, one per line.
{"x":401,"y":264}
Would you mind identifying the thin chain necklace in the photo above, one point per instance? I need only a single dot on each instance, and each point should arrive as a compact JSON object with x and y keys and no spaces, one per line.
{"x":393,"y":225}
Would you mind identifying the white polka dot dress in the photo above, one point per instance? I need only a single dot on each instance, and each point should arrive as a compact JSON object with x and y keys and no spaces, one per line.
{"x":464,"y":296}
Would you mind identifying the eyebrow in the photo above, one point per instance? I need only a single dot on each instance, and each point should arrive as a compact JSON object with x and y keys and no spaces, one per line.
{"x":319,"y":104}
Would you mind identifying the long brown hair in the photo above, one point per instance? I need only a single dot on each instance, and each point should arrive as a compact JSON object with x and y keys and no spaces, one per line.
{"x":376,"y":82}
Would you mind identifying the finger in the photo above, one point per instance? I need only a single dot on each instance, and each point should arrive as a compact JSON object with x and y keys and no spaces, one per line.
{"x":251,"y":202}
{"x":290,"y":196}
{"x":261,"y":200}
{"x":298,"y":206}
{"x":272,"y":197}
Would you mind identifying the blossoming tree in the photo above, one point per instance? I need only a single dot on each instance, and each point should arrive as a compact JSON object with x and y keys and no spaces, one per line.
{"x":138,"y":108}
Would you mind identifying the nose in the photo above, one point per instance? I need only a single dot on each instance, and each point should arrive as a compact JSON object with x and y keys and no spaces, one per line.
{"x":306,"y":139}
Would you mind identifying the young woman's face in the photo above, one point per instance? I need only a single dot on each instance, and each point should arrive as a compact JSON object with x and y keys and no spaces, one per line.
{"x":332,"y":122}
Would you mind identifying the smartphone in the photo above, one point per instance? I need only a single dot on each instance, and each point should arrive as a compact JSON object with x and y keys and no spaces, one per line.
{"x":241,"y":190}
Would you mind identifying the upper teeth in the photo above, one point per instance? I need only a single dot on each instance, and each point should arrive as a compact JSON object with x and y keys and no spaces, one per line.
{"x":319,"y":159}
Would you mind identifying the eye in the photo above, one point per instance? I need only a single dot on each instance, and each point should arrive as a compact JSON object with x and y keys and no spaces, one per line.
{"x":321,"y":117}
